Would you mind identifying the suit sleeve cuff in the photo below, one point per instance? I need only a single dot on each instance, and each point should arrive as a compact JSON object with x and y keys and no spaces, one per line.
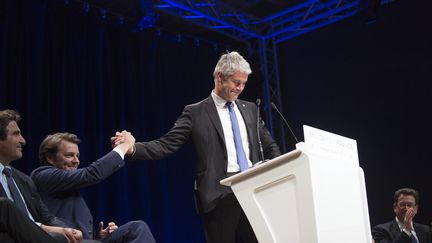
{"x":122,"y":155}
{"x":133,"y":151}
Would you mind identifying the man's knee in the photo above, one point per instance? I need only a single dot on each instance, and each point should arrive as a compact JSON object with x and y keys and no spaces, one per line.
{"x":139,"y":225}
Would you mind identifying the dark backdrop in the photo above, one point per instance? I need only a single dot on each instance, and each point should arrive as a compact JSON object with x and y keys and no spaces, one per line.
{"x":67,"y":70}
{"x":372,"y":83}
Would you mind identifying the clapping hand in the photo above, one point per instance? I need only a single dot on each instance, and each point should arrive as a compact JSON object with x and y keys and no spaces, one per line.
{"x":409,"y":215}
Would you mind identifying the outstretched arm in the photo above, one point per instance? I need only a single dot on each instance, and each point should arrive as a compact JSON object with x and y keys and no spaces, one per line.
{"x":51,"y":179}
{"x":164,"y":146}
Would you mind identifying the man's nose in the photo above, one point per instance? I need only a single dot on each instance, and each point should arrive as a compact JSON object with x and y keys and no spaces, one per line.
{"x":22,"y":140}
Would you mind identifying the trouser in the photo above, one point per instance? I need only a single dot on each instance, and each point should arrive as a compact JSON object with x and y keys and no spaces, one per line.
{"x":131,"y":232}
{"x":227,"y":223}
{"x":16,"y":227}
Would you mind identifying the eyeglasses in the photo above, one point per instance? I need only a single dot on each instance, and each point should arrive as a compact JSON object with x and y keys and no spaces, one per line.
{"x":404,"y":204}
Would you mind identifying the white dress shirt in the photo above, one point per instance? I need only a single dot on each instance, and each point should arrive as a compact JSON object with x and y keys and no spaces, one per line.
{"x":402,"y":228}
{"x":224,"y":116}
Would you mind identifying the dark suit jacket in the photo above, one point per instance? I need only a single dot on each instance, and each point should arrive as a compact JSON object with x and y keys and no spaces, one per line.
{"x":60,"y":189}
{"x":200,"y":123}
{"x":390,"y":232}
{"x":33,"y":200}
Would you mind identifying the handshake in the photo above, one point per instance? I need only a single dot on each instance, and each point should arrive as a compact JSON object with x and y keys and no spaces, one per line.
{"x":124,"y":141}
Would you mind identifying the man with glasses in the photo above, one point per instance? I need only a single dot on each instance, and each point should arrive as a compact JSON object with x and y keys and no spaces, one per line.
{"x":402,"y":229}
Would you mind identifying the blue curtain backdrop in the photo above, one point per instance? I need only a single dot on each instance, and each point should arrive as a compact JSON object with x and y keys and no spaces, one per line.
{"x":67,"y":70}
{"x":370,"y":82}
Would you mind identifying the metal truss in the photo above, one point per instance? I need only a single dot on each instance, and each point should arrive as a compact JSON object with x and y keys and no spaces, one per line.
{"x":308,"y":16}
{"x":264,"y":35}
{"x":270,"y":70}
{"x":279,"y":27}
{"x":261,"y":35}
{"x":213,"y":15}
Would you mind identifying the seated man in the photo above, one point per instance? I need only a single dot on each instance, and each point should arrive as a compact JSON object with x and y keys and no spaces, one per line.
{"x":59,"y":180}
{"x":23,"y":216}
{"x":402,"y":229}
{"x":17,"y":227}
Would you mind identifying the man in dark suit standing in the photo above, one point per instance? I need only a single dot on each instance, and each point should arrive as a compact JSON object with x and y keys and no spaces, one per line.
{"x":59,"y":181}
{"x":403,"y":229}
{"x":224,"y":133}
{"x":24,"y":217}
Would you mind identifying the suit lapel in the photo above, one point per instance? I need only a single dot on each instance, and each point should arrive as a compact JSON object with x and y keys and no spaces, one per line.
{"x":245,"y":112}
{"x":421,"y":237}
{"x":247,"y":116}
{"x":215,"y":120}
{"x":25,"y":192}
{"x":212,"y":112}
{"x":2,"y":192}
{"x":394,"y":229}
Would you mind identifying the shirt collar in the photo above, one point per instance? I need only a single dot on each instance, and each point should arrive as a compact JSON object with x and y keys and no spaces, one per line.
{"x":401,"y":226}
{"x":219,"y":101}
{"x":1,"y":168}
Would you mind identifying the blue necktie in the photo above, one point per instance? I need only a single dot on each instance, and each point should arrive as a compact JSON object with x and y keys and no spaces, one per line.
{"x":14,"y":190}
{"x":241,"y":155}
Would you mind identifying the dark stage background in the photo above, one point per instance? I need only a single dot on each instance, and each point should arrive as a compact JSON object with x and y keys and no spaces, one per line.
{"x":66,"y":70}
{"x":371,"y":83}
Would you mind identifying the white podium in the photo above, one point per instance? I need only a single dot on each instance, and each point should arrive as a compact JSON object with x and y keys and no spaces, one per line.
{"x":308,"y":195}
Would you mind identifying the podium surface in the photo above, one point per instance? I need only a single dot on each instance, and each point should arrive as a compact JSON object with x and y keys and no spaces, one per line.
{"x":304,"y":196}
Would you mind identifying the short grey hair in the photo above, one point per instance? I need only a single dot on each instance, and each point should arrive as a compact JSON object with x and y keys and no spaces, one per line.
{"x":231,"y":62}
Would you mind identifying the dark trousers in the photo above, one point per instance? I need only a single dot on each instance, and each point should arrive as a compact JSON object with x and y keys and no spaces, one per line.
{"x":131,"y":232}
{"x":227,"y":223}
{"x":16,"y":227}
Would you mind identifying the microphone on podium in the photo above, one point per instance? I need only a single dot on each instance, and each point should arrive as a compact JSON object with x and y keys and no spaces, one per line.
{"x":261,"y":151}
{"x":286,"y":123}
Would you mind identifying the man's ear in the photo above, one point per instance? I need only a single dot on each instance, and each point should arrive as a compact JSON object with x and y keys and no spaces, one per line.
{"x":219,"y":77}
{"x":50,"y":159}
{"x":394,"y":206}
